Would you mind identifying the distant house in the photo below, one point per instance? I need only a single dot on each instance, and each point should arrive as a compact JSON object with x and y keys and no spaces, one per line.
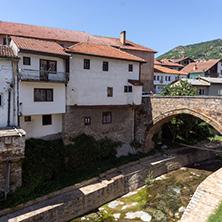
{"x":207,"y":86}
{"x":210,"y":68}
{"x":168,"y":64}
{"x":183,"y":61}
{"x":164,"y":76}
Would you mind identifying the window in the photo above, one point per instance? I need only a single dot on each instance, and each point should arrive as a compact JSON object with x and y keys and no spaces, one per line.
{"x":201,"y":91}
{"x":0,"y":100}
{"x":27,"y":119}
{"x":105,"y":66}
{"x":4,"y":41}
{"x":43,"y":95}
{"x":86,"y":64}
{"x":158,"y":78}
{"x":48,"y":66}
{"x":27,"y":61}
{"x":107,"y":117}
{"x":130,"y":67}
{"x":46,"y":120}
{"x":128,"y":88}
{"x":109,"y":91}
{"x":219,"y":92}
{"x":87,"y":121}
{"x":165,"y":78}
{"x":169,"y":78}
{"x":154,"y":77}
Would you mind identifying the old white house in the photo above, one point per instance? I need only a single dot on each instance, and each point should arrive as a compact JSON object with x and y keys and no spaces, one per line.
{"x":43,"y":73}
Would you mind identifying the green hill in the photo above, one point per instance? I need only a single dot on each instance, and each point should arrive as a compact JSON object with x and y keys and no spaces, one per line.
{"x":204,"y":50}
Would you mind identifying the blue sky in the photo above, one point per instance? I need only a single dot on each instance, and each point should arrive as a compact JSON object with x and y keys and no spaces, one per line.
{"x":157,"y":24}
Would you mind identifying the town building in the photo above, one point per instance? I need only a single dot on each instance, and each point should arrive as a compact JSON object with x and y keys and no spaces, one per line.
{"x":210,"y":68}
{"x":70,"y":82}
{"x":164,"y":76}
{"x":168,"y":64}
{"x":183,"y":61}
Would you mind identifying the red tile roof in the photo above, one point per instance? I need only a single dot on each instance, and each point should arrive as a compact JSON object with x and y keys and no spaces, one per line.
{"x":6,"y":52}
{"x":166,"y":62}
{"x":129,"y":45}
{"x":164,"y":70}
{"x":200,"y":66}
{"x":38,"y":46}
{"x":103,"y":51}
{"x":56,"y":34}
{"x":181,"y":59}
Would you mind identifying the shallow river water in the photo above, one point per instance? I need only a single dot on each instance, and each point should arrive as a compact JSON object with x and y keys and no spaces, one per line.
{"x":164,"y":200}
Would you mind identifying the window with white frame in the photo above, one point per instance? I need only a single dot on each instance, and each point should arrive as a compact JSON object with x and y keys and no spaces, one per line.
{"x":128,"y":89}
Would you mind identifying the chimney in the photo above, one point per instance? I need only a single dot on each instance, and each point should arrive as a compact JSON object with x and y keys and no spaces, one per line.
{"x":194,"y":67}
{"x":123,"y":37}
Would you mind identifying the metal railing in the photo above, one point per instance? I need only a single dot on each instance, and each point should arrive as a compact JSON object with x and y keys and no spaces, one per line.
{"x":45,"y":76}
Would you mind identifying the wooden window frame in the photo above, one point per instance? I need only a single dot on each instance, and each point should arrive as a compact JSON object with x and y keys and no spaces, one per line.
{"x":105,"y":66}
{"x":27,"y":118}
{"x":107,"y":118}
{"x":87,"y":121}
{"x":130,"y":68}
{"x":46,"y":91}
{"x":26,"y":60}
{"x":86,"y":64}
{"x":109,"y":91}
{"x":128,"y":89}
{"x":48,"y":66}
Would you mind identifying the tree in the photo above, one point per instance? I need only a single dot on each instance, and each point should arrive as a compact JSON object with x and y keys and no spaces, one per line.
{"x":181,"y":88}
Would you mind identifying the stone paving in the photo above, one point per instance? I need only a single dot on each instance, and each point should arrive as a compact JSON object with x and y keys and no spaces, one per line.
{"x":205,"y":200}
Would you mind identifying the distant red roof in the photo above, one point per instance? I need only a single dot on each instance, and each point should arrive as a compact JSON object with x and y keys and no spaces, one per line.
{"x":6,"y":52}
{"x":38,"y":46}
{"x":56,"y":34}
{"x":103,"y":51}
{"x":200,"y":66}
{"x":164,"y":70}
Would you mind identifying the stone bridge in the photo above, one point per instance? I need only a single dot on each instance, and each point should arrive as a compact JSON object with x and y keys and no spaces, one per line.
{"x":158,"y":110}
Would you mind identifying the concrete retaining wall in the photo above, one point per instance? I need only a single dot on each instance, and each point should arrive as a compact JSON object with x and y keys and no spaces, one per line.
{"x":77,"y":200}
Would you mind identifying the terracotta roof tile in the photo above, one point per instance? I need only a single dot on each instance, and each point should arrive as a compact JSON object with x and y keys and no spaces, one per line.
{"x":200,"y":66}
{"x":38,"y":46}
{"x":103,"y":51}
{"x":56,"y":34}
{"x":164,"y":70}
{"x":129,"y":45}
{"x":6,"y":52}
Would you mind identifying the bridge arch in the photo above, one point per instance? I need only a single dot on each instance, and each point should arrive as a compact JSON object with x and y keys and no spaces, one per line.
{"x":154,"y":126}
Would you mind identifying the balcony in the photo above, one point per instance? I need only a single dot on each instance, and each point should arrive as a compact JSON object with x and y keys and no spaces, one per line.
{"x":43,"y":76}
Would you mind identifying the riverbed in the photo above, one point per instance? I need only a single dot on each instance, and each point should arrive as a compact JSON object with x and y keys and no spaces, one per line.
{"x":162,"y":199}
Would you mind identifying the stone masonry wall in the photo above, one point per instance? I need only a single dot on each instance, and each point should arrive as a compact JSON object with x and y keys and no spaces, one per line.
{"x":157,"y":110}
{"x":79,"y":199}
{"x":12,"y":148}
{"x":120,"y":129}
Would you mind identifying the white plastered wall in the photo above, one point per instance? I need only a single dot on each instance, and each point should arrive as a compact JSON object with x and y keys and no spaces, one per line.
{"x":35,"y":129}
{"x":89,"y":86}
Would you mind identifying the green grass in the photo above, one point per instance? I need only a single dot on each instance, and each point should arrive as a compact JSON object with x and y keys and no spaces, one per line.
{"x":217,"y":217}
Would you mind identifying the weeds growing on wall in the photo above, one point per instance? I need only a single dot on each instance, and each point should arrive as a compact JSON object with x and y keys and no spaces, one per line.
{"x":50,"y":165}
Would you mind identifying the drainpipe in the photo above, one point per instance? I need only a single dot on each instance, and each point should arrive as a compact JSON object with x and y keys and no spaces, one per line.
{"x":9,"y":105}
{"x":13,"y":94}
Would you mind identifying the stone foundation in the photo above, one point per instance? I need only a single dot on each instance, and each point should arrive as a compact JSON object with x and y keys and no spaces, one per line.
{"x":12,"y":148}
{"x":120,"y":129}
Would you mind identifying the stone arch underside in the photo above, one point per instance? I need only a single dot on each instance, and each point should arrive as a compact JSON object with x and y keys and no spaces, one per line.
{"x":157,"y":122}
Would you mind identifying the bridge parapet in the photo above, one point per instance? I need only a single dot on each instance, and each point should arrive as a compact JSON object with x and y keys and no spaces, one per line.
{"x":157,"y":110}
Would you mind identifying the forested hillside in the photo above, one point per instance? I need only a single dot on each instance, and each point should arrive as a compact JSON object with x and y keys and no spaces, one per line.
{"x":204,"y":50}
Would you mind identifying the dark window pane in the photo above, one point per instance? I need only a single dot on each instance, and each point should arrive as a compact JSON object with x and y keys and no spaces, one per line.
{"x":27,"y":61}
{"x":105,"y":66}
{"x":86,"y":64}
{"x":27,"y":118}
{"x":87,"y":121}
{"x":130,"y":67}
{"x":43,"y":95}
{"x":109,"y":91}
{"x":47,"y":120}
